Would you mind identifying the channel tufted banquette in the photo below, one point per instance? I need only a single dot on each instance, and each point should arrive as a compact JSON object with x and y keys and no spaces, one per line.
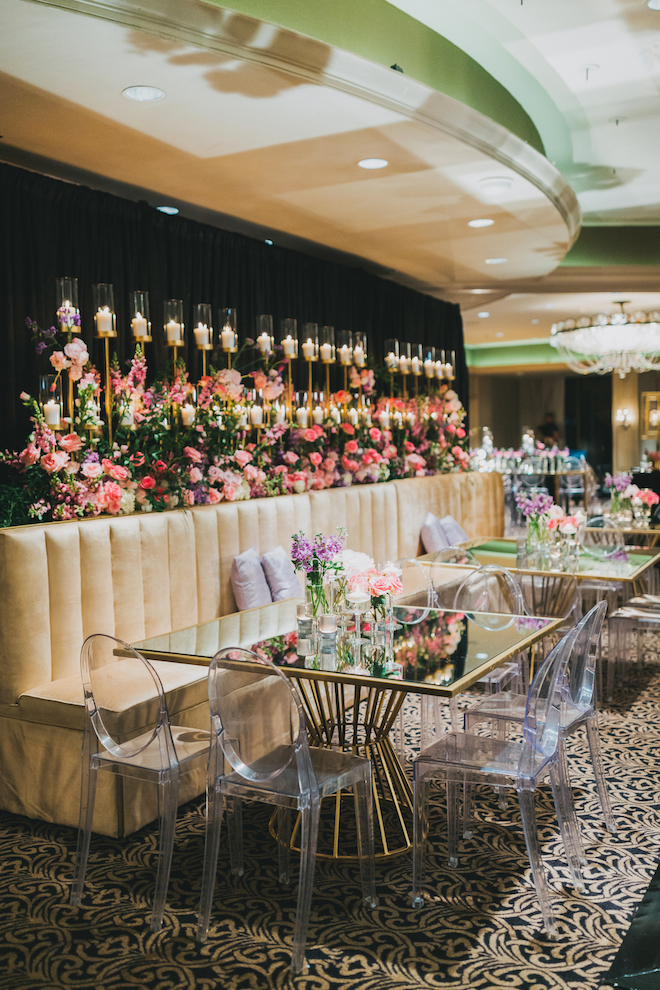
{"x":144,"y":575}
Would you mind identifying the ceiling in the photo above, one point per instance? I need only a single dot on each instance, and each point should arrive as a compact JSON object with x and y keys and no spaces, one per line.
{"x":266,"y":126}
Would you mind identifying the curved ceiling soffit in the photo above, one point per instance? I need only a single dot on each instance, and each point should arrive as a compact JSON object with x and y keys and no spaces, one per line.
{"x":204,"y":26}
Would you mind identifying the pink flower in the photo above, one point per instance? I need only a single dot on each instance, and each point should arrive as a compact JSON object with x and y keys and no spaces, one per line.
{"x":315,"y":458}
{"x":59,"y":361}
{"x":410,"y":447}
{"x":460,"y":433}
{"x":349,"y":465}
{"x":457,"y":451}
{"x":348,"y":428}
{"x":250,"y":472}
{"x":118,"y":472}
{"x":147,"y":483}
{"x":242,"y":457}
{"x":195,"y":475}
{"x":54,"y":461}
{"x":351,"y":447}
{"x":192,"y":454}
{"x":24,"y":396}
{"x":91,"y":470}
{"x":229,"y":492}
{"x":385,"y":584}
{"x":260,"y":380}
{"x":188,"y":496}
{"x":214,"y":496}
{"x":318,"y":430}
{"x":29,"y":456}
{"x":76,"y":350}
{"x":214,"y":473}
{"x":112,"y":496}
{"x":450,"y":428}
{"x":375,"y":434}
{"x":328,"y":464}
{"x":390,"y":451}
{"x":70,"y":442}
{"x":272,"y":390}
{"x":290,"y":457}
{"x":310,"y":435}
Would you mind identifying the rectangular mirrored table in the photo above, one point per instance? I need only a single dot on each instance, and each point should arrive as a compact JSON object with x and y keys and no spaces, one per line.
{"x":441,"y":653}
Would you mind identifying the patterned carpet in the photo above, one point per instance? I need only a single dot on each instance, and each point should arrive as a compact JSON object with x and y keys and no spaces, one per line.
{"x":480,"y":929}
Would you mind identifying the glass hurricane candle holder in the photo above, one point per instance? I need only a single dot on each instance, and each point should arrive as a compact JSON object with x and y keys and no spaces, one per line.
{"x":140,"y":319}
{"x":416,"y":364}
{"x":327,"y":345}
{"x":289,"y":342}
{"x":310,"y":352}
{"x":360,"y":349}
{"x":228,"y":333}
{"x":51,"y":401}
{"x":203,"y":331}
{"x":264,"y":341}
{"x":405,"y":358}
{"x":68,"y":314}
{"x":105,"y":319}
{"x":173,"y":323}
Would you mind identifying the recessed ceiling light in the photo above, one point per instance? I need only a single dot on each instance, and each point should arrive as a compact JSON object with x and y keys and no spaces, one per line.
{"x":484,"y":315}
{"x":143,"y":94}
{"x":480,"y":292}
{"x":535,"y":321}
{"x":268,"y":242}
{"x":499,"y":334}
{"x":373,"y":163}
{"x":170,"y":210}
{"x":653,"y":4}
{"x":496,"y":184}
{"x":480,"y":223}
{"x":496,"y":261}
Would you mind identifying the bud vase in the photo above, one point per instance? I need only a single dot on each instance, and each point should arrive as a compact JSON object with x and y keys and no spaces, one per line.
{"x":315,"y":595}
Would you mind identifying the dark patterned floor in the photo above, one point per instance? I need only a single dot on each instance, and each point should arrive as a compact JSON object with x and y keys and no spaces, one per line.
{"x":480,"y":929}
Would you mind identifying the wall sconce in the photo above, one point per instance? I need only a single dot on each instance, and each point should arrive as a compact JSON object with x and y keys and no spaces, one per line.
{"x":623,"y":418}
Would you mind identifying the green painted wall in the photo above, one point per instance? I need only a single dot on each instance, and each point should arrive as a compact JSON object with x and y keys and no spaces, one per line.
{"x":506,"y":355}
{"x":615,"y":246}
{"x":380,"y":32}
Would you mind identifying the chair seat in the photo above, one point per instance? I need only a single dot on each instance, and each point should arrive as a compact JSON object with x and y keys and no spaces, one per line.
{"x":499,"y":757}
{"x":333,"y":771}
{"x":188,"y":743}
{"x":512,"y":707}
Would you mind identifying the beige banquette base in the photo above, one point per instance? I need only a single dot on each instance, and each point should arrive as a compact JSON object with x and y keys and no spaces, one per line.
{"x":148,"y":574}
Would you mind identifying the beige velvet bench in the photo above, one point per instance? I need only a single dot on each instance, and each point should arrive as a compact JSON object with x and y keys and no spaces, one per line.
{"x":146,"y":575}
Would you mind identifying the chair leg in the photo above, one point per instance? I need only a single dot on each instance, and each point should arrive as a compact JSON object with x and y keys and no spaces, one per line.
{"x":169,"y":795}
{"x":87,"y":798}
{"x":601,"y":784}
{"x":234,"y":806}
{"x":364,"y":818}
{"x":567,"y":820}
{"x":284,"y":844}
{"x":309,"y":827}
{"x":420,"y":834}
{"x":528,"y":815}
{"x":211,"y":846}
{"x":454,"y":781}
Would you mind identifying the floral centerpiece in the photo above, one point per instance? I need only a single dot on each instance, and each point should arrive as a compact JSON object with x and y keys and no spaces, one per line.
{"x":621,"y":491}
{"x":379,"y":585}
{"x":318,"y":558}
{"x":642,"y":503}
{"x":535,"y":507}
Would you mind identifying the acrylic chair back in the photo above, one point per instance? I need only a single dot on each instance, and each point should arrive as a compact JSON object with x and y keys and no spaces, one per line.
{"x":110,"y":668}
{"x":491,"y":596}
{"x":257,"y":718}
{"x":541,"y":728}
{"x":445,"y":578}
{"x":580,"y":683}
{"x":417,"y":590}
{"x":600,"y":538}
{"x":552,"y":595}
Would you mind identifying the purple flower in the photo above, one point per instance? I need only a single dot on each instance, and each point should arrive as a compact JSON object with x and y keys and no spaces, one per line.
{"x":50,"y":332}
{"x":41,"y":347}
{"x":533,"y":504}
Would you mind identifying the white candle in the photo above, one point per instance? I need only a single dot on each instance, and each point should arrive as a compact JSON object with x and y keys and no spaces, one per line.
{"x":188,"y":414}
{"x":358,"y":356}
{"x":309,"y":349}
{"x":243,"y":421}
{"x":449,"y":371}
{"x":128,"y":418}
{"x":439,"y":369}
{"x":51,"y":412}
{"x":301,"y":416}
{"x":256,"y":415}
{"x":384,"y":420}
{"x":392,"y":361}
{"x":429,"y":368}
{"x":415,"y":366}
{"x":219,"y":420}
{"x":353,"y":417}
{"x":173,"y":331}
{"x":318,"y":416}
{"x":280,"y":414}
{"x":411,"y":418}
{"x":263,"y":343}
{"x":326,"y":352}
{"x":228,"y":339}
{"x":289,"y":346}
{"x":201,"y":332}
{"x":403,"y":365}
{"x":139,"y":326}
{"x":345,"y":354}
{"x":367,"y":419}
{"x":335,"y":413}
{"x":104,"y":321}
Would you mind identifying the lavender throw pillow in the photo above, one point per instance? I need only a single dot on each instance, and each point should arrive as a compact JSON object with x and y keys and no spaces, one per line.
{"x":249,"y":581}
{"x":281,"y":575}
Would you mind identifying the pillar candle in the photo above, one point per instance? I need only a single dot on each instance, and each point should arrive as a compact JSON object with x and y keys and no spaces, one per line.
{"x":128,"y":417}
{"x":173,"y":332}
{"x":139,"y":326}
{"x":51,"y":412}
{"x":289,"y":346}
{"x":104,"y":321}
{"x":358,"y":356}
{"x":256,"y":415}
{"x":335,"y":413}
{"x":403,"y":365}
{"x":280,"y":414}
{"x":326,"y":352}
{"x":308,"y":349}
{"x":415,"y":366}
{"x":353,"y":417}
{"x":263,"y":343}
{"x":228,"y":339}
{"x":188,"y":414}
{"x":429,"y":368}
{"x":392,"y":361}
{"x":384,"y":420}
{"x":301,"y":416}
{"x":318,"y":416}
{"x":201,"y":332}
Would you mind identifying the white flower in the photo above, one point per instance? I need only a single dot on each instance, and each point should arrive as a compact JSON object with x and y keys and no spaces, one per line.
{"x":352,"y":563}
{"x":630,"y":491}
{"x":126,"y":503}
{"x":147,"y":507}
{"x":299,"y":486}
{"x":556,"y":512}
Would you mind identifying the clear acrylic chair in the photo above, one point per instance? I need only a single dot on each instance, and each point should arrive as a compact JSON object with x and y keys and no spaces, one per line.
{"x":624,"y":640}
{"x":258,"y":727}
{"x":601,"y":540}
{"x":578,"y":707}
{"x":416,"y":581}
{"x":551,"y":595}
{"x":463,"y":757}
{"x":446,"y":579}
{"x":155,"y":751}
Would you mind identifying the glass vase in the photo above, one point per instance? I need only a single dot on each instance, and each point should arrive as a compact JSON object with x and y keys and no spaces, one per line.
{"x":315,"y":594}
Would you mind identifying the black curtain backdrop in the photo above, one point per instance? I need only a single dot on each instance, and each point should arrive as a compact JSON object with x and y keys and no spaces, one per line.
{"x":50,"y":229}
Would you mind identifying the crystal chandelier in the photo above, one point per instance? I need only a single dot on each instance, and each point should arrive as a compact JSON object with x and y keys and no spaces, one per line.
{"x":616,"y":342}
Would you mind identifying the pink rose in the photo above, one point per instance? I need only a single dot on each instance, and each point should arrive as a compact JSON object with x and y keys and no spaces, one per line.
{"x":375,"y":434}
{"x":70,"y":442}
{"x":315,"y":458}
{"x":24,"y":396}
{"x":242,"y":457}
{"x":59,"y":361}
{"x":229,"y":492}
{"x":91,"y":470}
{"x":147,"y":483}
{"x":112,"y":496}
{"x":328,"y":464}
{"x":29,"y":456}
{"x":347,"y":428}
{"x":192,"y":454}
{"x":118,"y":472}
{"x":76,"y":350}
{"x":349,"y":465}
{"x":310,"y":435}
{"x":351,"y":447}
{"x":250,"y":472}
{"x":318,"y":430}
{"x":195,"y":475}
{"x":214,"y":496}
{"x":290,"y":457}
{"x":273,"y":390}
{"x":390,"y":451}
{"x":460,"y":433}
{"x":410,"y":447}
{"x":188,"y":497}
{"x":73,"y":467}
{"x":260,"y":380}
{"x":457,"y":451}
{"x":54,"y":461}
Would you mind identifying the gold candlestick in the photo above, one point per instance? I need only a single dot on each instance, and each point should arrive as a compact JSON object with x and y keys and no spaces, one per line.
{"x":204,"y":348}
{"x":106,"y":327}
{"x":310,"y":386}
